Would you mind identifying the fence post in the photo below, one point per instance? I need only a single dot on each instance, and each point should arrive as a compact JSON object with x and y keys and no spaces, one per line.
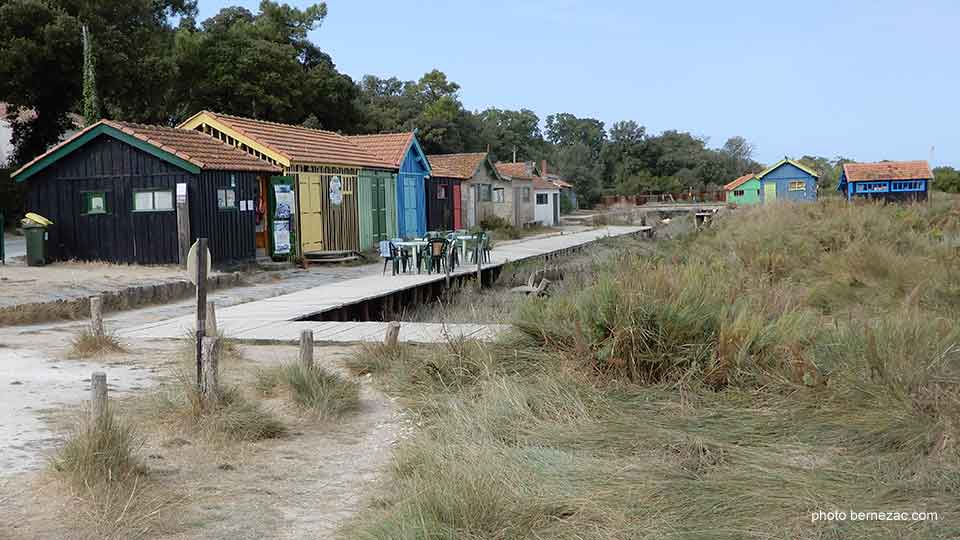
{"x":209,"y":385}
{"x":98,"y":396}
{"x":478,"y":256}
{"x":96,"y":316}
{"x":211,"y":326}
{"x":306,"y":348}
{"x":201,"y":303}
{"x":393,"y":334}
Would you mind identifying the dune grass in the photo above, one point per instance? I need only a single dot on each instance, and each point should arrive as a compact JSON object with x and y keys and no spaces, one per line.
{"x":113,"y":494}
{"x":322,"y":392}
{"x":791,"y":360}
{"x":86,"y":344}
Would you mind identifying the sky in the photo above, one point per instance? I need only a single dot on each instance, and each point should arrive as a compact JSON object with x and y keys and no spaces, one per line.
{"x":867,"y":80}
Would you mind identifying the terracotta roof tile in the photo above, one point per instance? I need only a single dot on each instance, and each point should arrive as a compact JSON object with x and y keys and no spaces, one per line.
{"x":389,"y":147}
{"x":198,"y":148}
{"x":303,"y":145}
{"x":521,"y":170}
{"x":887,"y":170}
{"x":539,"y":183}
{"x":193,"y":146}
{"x":740,"y":181}
{"x":462,"y":166}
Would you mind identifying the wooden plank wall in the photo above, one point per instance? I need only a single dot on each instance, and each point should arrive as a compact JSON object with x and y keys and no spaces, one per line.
{"x":339,"y":225}
{"x":116,"y":168}
{"x":231,"y":233}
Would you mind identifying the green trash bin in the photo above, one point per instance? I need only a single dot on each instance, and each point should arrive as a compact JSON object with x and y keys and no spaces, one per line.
{"x":36,"y":238}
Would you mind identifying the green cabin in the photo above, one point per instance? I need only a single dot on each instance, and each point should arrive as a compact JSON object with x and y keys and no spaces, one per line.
{"x":744,"y":190}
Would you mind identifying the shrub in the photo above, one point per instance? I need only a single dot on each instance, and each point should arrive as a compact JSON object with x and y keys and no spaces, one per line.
{"x":87,"y":344}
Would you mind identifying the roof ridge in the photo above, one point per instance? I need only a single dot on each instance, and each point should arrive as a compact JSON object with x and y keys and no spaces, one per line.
{"x":125,"y":127}
{"x":298,"y":126}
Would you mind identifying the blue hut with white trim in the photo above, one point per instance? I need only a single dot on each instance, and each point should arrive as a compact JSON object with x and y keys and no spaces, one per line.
{"x":886,"y":181}
{"x":788,"y":180}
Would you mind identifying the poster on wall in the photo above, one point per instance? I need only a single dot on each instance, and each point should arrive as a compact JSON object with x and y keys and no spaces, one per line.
{"x":336,"y":191}
{"x":284,"y":198}
{"x":281,"y":237}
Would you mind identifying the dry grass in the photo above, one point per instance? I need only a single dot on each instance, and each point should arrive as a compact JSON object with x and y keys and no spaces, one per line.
{"x":706,"y":391}
{"x":113,"y":495}
{"x":314,"y":388}
{"x":87,"y":344}
{"x":231,"y":417}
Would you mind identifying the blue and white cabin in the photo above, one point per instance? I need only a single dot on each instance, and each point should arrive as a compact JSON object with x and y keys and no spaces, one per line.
{"x":886,"y":181}
{"x":787,"y":180}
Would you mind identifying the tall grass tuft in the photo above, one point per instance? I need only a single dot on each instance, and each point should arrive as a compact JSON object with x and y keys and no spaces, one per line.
{"x":86,"y":344}
{"x":314,"y":388}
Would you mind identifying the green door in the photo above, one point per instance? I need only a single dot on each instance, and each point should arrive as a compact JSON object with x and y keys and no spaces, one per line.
{"x":769,"y":191}
{"x":281,"y":221}
{"x":379,"y":208}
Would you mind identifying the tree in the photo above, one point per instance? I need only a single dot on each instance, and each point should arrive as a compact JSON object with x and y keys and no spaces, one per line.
{"x":740,"y":153}
{"x":946,"y":179}
{"x":506,"y":131}
{"x":565,"y":129}
{"x":91,"y":103}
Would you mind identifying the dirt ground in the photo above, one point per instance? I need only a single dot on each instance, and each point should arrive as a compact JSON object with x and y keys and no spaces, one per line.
{"x":21,"y":284}
{"x":302,"y":485}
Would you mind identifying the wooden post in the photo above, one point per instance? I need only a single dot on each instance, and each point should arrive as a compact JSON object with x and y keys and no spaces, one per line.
{"x":96,"y":316}
{"x":183,"y":223}
{"x":201,"y":302}
{"x":209,"y":386}
{"x":478,"y":256}
{"x":98,"y":396}
{"x":393,"y":334}
{"x":211,"y":326}
{"x":306,"y":348}
{"x":450,"y":252}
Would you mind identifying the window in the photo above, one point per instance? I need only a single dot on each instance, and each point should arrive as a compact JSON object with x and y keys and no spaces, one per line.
{"x":738,"y":193}
{"x":153,"y":200}
{"x":499,"y":195}
{"x":441,"y":192}
{"x":543,"y":198}
{"x":526,"y":194}
{"x":227,"y":198}
{"x":798,"y":185}
{"x":486,"y":192}
{"x":94,"y":202}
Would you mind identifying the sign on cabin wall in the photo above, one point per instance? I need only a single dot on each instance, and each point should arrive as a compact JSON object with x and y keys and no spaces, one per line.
{"x":336,"y":191}
{"x":284,"y":197}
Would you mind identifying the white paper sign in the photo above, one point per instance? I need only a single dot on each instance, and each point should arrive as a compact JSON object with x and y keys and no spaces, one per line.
{"x":281,"y":237}
{"x":284,"y":197}
{"x":336,"y":191}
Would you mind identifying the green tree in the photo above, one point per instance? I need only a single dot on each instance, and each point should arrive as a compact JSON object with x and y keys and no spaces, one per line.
{"x":506,"y":131}
{"x":565,"y":129}
{"x":946,"y":179}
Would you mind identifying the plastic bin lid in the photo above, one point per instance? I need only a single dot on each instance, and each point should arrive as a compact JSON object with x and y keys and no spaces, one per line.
{"x":32,"y":218}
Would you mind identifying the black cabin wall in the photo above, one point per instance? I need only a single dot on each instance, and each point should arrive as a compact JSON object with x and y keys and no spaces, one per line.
{"x":230,"y":233}
{"x":123,"y":236}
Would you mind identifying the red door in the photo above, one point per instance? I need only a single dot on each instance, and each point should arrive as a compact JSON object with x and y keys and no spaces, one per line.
{"x":457,"y":221}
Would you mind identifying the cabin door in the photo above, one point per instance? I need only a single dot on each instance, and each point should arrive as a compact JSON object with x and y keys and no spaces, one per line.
{"x":379,"y":199}
{"x":310,"y":188}
{"x":408,"y":194}
{"x":457,"y":206}
{"x":769,"y":191}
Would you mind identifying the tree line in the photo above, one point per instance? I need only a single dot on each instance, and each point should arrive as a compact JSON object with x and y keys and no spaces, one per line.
{"x":153,"y":62}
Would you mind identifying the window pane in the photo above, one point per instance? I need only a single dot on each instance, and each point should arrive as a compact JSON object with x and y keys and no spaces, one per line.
{"x":231,"y":198}
{"x":163,"y":200}
{"x":96,"y":203}
{"x":143,"y":200}
{"x":498,"y":195}
{"x":221,"y":198}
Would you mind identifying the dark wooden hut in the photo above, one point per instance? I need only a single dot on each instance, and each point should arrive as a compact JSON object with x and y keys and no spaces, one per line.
{"x":111,"y":191}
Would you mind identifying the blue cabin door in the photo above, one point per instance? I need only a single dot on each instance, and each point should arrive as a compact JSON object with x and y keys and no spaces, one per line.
{"x":409,"y":203}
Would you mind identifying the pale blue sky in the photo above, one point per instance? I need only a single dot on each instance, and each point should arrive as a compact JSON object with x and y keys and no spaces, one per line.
{"x":868,"y":80}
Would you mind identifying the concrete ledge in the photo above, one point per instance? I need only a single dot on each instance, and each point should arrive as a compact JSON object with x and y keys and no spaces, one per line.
{"x":115,"y":300}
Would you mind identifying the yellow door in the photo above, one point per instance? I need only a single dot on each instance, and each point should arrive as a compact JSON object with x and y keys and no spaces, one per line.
{"x":311,"y":214}
{"x":769,"y":191}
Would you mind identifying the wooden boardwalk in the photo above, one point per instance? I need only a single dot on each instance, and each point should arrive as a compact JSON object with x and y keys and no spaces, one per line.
{"x":274,"y":319}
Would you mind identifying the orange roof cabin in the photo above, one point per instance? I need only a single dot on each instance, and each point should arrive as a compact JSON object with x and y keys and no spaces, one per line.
{"x":320,"y":189}
{"x":402,"y":151}
{"x":887,"y":180}
{"x":518,"y":207}
{"x":114,"y":190}
{"x":481,"y":186}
